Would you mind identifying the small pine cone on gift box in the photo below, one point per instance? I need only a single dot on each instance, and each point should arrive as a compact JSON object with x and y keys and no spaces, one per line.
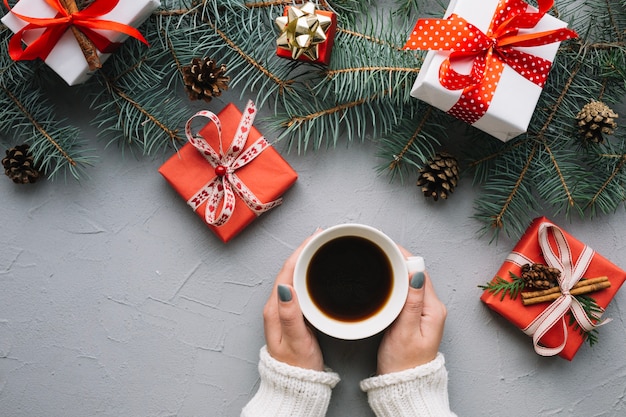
{"x":439,"y":176}
{"x":19,"y":165}
{"x":204,"y":79}
{"x":540,"y":276}
{"x":595,"y":120}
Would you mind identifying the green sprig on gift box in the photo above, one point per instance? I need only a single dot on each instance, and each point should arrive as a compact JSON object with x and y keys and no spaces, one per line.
{"x":516,"y":285}
{"x":503,"y":287}
{"x":139,"y":103}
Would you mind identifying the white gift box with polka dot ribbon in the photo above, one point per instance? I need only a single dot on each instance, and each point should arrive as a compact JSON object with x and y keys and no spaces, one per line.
{"x":515,"y":98}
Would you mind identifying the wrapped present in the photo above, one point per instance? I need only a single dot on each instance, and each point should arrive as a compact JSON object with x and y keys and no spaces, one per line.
{"x":74,"y":43}
{"x":228,"y":173}
{"x":306,"y":34}
{"x":558,"y":322}
{"x":488,"y":61}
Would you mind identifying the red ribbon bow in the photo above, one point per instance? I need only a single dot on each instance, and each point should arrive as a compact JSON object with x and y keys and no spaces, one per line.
{"x":86,"y":20}
{"x":226,"y":183}
{"x":487,"y":51}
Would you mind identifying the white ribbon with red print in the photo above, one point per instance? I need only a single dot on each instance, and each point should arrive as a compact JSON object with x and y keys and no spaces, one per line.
{"x":226,"y":183}
{"x":571,"y":273}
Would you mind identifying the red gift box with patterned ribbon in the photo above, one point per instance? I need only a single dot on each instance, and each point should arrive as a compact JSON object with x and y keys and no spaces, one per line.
{"x":549,"y":323}
{"x":228,"y":173}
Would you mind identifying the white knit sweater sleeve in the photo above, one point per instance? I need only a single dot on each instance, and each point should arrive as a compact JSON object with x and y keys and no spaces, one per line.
{"x":418,"y":392}
{"x":290,"y":391}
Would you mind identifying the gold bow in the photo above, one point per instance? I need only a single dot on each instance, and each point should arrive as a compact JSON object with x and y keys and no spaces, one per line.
{"x":302,"y":30}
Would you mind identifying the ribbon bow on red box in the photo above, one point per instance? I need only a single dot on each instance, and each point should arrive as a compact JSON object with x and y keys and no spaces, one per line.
{"x":488,"y":52}
{"x":86,"y":20}
{"x":225,"y":183}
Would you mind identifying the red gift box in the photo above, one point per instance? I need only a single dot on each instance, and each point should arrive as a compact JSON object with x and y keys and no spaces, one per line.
{"x":324,"y":49}
{"x":545,"y":243}
{"x":256,"y":172}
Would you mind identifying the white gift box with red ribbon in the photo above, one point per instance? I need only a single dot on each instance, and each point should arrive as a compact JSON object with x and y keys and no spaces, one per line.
{"x":515,"y":98}
{"x":66,"y":58}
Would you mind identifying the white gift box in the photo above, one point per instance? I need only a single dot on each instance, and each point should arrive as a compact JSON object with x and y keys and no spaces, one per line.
{"x":515,"y":98}
{"x":66,"y":57}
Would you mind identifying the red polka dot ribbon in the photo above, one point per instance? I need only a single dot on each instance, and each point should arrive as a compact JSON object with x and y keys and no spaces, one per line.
{"x":86,"y":20}
{"x":223,"y":187}
{"x":489,"y":52}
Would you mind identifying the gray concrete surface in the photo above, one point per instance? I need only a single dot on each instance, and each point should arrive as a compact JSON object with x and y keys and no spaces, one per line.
{"x":115,"y":300}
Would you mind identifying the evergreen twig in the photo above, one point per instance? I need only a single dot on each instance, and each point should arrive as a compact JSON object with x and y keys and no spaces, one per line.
{"x":364,"y":92}
{"x":503,"y":287}
{"x":513,"y":287}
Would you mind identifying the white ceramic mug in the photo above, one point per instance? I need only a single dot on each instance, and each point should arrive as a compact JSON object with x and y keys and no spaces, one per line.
{"x":384,"y":315}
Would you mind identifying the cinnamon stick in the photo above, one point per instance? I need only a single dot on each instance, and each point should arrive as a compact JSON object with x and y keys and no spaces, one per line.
{"x":86,"y":45}
{"x":582,"y":287}
{"x":532,"y":294}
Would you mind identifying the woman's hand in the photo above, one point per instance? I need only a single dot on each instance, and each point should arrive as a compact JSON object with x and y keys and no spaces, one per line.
{"x":288,"y":337}
{"x":414,"y":337}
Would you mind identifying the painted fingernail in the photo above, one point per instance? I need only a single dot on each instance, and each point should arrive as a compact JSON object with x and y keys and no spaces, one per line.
{"x":417,"y":280}
{"x":284,"y":293}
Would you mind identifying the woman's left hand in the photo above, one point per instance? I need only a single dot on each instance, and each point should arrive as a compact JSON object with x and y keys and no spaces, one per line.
{"x":289,"y":339}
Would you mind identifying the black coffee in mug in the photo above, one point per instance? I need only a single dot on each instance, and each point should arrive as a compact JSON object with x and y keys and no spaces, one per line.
{"x":349,"y":278}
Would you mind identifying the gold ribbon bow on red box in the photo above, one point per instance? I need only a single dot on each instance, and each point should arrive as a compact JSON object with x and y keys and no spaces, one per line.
{"x":488,"y":51}
{"x":222,"y":188}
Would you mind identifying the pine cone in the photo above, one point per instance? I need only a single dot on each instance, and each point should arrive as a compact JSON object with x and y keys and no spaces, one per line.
{"x":204,"y":79}
{"x":439,"y":176}
{"x":540,"y":276}
{"x":594,"y":120}
{"x":19,"y":165}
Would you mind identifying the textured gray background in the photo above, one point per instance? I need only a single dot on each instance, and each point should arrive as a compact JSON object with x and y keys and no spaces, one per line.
{"x":116,"y":300}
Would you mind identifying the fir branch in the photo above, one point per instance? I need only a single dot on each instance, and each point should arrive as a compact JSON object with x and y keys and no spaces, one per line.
{"x":298,"y":121}
{"x":413,"y":141}
{"x":283,"y":85}
{"x":253,"y":5}
{"x":499,"y":152}
{"x":593,"y":311}
{"x":498,"y":219}
{"x":364,"y":92}
{"x":172,"y":51}
{"x":397,"y":158}
{"x":341,"y":7}
{"x":557,"y":103}
{"x":559,"y":175}
{"x":144,"y":121}
{"x":327,"y":121}
{"x":171,"y":133}
{"x":332,"y":73}
{"x":38,"y":126}
{"x":54,"y":144}
{"x":619,"y":168}
{"x":369,"y":38}
{"x":503,"y":287}
{"x":612,"y":18}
